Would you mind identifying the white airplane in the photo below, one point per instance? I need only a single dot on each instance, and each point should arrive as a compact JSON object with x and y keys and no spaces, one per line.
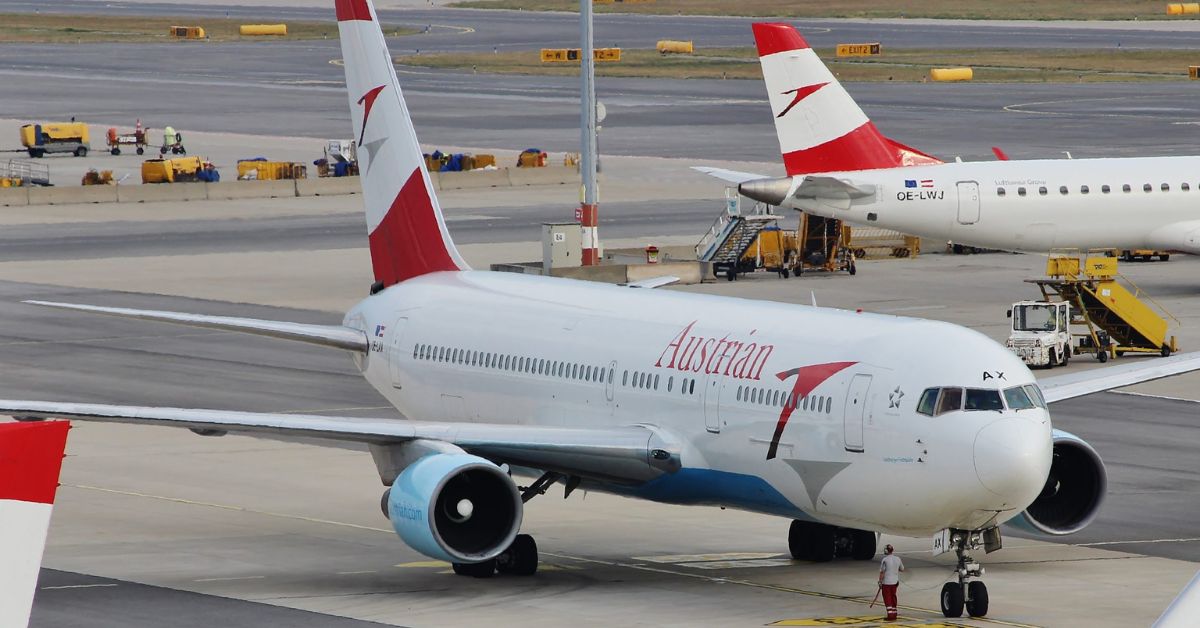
{"x":31,"y":456}
{"x":840,"y":166}
{"x":849,"y":424}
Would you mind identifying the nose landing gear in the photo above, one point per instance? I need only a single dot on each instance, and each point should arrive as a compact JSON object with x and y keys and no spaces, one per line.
{"x":966,"y":593}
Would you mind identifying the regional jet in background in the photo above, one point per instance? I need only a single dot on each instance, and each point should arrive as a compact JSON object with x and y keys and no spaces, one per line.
{"x":847,"y":424}
{"x":840,"y":166}
{"x":31,"y":457}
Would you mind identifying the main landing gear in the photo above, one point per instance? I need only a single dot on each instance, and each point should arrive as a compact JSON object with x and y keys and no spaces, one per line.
{"x":822,"y":543}
{"x":967,"y":593}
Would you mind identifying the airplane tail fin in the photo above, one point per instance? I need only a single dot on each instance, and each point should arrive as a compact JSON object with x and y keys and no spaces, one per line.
{"x":820,"y":127}
{"x":31,"y":456}
{"x":408,"y":236}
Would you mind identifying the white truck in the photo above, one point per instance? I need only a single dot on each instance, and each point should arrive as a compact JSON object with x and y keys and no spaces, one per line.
{"x":1041,"y":333}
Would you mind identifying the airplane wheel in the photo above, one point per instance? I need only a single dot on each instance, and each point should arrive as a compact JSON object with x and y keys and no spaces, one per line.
{"x":800,"y":540}
{"x":520,"y":559}
{"x":952,"y":599}
{"x":486,"y":569}
{"x":783,"y":273}
{"x":977,"y":606}
{"x":1164,"y":258}
{"x":864,"y":545}
{"x":823,"y":541}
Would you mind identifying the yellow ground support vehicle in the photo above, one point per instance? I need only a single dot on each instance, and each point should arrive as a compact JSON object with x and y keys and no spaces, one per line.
{"x":175,"y":170}
{"x":1117,"y":318}
{"x":1144,"y":255}
{"x":56,"y":137}
{"x":774,"y":250}
{"x":261,"y":170}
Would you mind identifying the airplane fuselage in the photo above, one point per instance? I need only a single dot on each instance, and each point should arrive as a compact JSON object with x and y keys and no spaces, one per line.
{"x":716,"y":375}
{"x":1031,"y":206}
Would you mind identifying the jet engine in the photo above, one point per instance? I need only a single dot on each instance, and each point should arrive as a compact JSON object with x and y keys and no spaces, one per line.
{"x":1073,"y":492}
{"x":455,"y":507}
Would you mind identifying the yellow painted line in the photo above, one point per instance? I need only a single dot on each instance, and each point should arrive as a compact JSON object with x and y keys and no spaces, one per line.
{"x":424,"y":564}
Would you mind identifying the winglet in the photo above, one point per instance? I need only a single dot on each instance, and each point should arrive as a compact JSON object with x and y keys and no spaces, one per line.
{"x":31,"y":457}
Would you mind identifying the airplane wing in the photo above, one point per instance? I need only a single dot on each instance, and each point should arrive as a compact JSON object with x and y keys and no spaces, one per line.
{"x":731,"y":176}
{"x":653,"y":282}
{"x":1063,"y":387}
{"x":625,"y":454}
{"x":337,"y":336}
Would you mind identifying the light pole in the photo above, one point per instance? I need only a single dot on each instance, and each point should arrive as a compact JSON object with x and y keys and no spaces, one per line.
{"x":588,"y":209}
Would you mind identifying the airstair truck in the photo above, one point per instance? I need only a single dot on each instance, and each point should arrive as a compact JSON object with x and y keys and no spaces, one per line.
{"x":1041,"y":333}
{"x":56,"y":137}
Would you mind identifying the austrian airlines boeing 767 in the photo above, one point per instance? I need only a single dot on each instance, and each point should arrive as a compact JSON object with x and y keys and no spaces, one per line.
{"x":840,"y":166}
{"x":848,"y":424}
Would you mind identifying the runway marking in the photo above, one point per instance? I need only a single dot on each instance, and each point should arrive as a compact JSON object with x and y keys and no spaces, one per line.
{"x":1138,"y":394}
{"x":1014,"y":108}
{"x":868,"y":620}
{"x":424,"y":564}
{"x":355,"y":573}
{"x":68,"y":341}
{"x":229,"y":578}
{"x":696,"y":558}
{"x":771,"y":587}
{"x":1137,"y":542}
{"x":79,"y":586}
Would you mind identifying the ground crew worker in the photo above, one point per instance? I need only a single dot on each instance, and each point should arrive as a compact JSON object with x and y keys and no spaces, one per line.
{"x":889,"y":580}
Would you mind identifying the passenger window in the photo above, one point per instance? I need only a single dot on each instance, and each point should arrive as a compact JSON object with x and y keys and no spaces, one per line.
{"x":928,"y":401}
{"x":655,"y":382}
{"x":574,"y":371}
{"x":1104,"y":188}
{"x":999,"y":191}
{"x":1126,"y":188}
{"x":739,"y":390}
{"x":979,"y":399}
{"x":1166,"y":187}
{"x":1043,"y":191}
{"x":1184,"y":186}
{"x":775,"y":398}
{"x":1083,"y":189}
{"x":1020,"y":191}
{"x":804,"y":403}
{"x":671,"y":384}
{"x":949,"y":401}
{"x":625,"y":378}
{"x":1147,"y":187}
{"x":1062,"y":190}
{"x":1017,"y":399}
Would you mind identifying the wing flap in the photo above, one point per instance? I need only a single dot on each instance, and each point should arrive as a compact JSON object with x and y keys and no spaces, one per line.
{"x":337,"y":336}
{"x":1063,"y":387}
{"x":626,"y":454}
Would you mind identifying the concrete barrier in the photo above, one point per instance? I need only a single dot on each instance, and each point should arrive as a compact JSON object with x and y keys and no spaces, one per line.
{"x":162,"y":192}
{"x":474,"y":179}
{"x":615,"y":273}
{"x":550,"y":175}
{"x":14,"y":197}
{"x":281,"y":188}
{"x":73,"y":195}
{"x":328,"y":186}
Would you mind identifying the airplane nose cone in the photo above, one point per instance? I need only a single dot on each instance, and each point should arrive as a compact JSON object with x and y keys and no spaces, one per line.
{"x":1012,"y":459}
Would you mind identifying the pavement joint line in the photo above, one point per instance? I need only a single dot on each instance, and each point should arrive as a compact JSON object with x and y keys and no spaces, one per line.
{"x":69,"y":341}
{"x":1099,"y":543}
{"x":80,"y":586}
{"x":774,"y":587}
{"x":229,"y":578}
{"x":355,"y":573}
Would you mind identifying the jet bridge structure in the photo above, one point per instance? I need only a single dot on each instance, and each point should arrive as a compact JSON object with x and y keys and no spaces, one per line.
{"x":1118,"y":319}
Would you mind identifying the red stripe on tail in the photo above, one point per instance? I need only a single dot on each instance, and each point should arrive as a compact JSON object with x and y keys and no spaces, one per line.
{"x":408,"y":242}
{"x":864,"y":148}
{"x":773,"y":37}
{"x":352,"y":10}
{"x":31,"y":456}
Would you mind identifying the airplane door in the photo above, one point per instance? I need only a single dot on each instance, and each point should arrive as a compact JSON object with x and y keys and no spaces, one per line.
{"x":856,"y":406}
{"x":396,"y":350}
{"x":712,"y":404}
{"x":968,"y":202}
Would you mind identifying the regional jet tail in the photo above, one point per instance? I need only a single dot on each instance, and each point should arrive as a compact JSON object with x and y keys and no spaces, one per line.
{"x":840,"y":166}
{"x":31,"y":456}
{"x":808,"y":413}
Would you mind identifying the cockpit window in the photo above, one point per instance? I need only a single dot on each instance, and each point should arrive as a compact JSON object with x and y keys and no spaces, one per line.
{"x":928,"y":401}
{"x":1035,"y":394}
{"x":979,"y":399}
{"x":950,"y":401}
{"x":1018,"y":399}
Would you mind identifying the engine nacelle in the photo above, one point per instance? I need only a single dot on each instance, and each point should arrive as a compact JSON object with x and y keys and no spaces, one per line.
{"x":1074,"y":489}
{"x":455,"y":507}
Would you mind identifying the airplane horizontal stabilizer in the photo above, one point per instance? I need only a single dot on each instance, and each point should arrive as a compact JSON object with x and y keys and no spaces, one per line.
{"x":832,"y":187}
{"x":623,"y":454}
{"x":337,"y":336}
{"x":731,"y":176}
{"x":1063,"y":387}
